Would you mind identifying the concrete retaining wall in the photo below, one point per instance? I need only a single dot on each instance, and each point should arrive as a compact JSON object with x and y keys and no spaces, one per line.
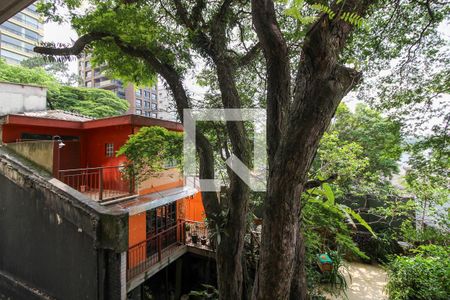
{"x":39,"y":152}
{"x":55,"y":240}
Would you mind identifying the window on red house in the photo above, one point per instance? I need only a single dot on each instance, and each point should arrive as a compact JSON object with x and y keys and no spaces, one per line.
{"x":109,"y":150}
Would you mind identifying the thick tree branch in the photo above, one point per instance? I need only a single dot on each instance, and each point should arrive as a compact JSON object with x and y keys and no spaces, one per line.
{"x":174,"y":80}
{"x":278,"y":70}
{"x":77,"y":47}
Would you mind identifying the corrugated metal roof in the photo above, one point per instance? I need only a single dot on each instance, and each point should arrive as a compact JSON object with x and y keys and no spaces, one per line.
{"x":57,"y":115}
{"x":153,"y":200}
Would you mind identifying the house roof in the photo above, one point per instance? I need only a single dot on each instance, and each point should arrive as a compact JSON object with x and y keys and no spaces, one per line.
{"x":149,"y":201}
{"x":61,"y":119}
{"x":57,"y":115}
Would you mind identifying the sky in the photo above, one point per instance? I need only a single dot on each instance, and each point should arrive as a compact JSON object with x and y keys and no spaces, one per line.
{"x":61,"y":33}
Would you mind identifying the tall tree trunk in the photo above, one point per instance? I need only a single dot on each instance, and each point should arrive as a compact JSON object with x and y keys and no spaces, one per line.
{"x":229,"y":253}
{"x":299,"y":281}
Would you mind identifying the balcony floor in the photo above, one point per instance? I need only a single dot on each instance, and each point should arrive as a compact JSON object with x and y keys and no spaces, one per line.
{"x":94,"y":194}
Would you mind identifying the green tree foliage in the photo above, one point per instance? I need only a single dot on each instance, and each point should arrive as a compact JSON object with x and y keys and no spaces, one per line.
{"x":427,"y":179}
{"x":59,"y":69}
{"x":150,"y":150}
{"x":363,"y":148}
{"x":90,"y":102}
{"x":18,"y":74}
{"x":414,"y":87}
{"x":378,"y":136}
{"x":424,"y":275}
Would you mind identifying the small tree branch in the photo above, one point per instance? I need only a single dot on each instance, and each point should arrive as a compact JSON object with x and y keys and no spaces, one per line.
{"x":250,"y":55}
{"x":317,"y":182}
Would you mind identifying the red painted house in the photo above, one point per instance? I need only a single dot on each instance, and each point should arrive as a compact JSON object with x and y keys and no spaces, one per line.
{"x":80,"y":152}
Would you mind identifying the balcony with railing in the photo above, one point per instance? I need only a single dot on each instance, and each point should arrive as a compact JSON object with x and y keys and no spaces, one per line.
{"x":165,"y":246}
{"x":99,"y":184}
{"x":144,"y":255}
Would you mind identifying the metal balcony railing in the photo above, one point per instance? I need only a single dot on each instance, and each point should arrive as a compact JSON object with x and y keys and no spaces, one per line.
{"x":141,"y":257}
{"x":102,"y":183}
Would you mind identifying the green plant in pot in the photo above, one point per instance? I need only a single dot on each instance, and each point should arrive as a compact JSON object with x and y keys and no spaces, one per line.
{"x":194,"y":235}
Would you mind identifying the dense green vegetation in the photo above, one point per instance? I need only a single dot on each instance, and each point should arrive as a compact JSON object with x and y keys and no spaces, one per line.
{"x":150,"y":150}
{"x":90,"y":102}
{"x":363,"y":149}
{"x":423,"y":275}
{"x":58,"y":69}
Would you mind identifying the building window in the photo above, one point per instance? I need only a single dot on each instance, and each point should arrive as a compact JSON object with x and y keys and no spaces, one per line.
{"x":153,"y":115}
{"x":154,"y":106}
{"x":147,"y":104}
{"x":138,"y":112}
{"x":87,"y":64}
{"x":109,"y":150}
{"x":139,"y":93}
{"x":147,"y":114}
{"x":17,"y":44}
{"x":13,"y":56}
{"x":146,"y":94}
{"x":138,"y":103}
{"x":153,"y":96}
{"x":88,"y":83}
{"x":88,"y":74}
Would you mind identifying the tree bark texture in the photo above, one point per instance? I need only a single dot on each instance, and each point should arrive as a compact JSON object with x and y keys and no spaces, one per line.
{"x":320,"y":85}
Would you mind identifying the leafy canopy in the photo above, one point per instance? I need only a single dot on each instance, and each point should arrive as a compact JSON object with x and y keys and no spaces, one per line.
{"x":90,"y":102}
{"x":363,"y":148}
{"x":150,"y":150}
{"x":58,"y":69}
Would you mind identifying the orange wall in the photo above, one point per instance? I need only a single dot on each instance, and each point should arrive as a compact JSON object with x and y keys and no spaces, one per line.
{"x":11,"y":133}
{"x":194,"y":210}
{"x":91,"y":150}
{"x":137,"y":229}
{"x":154,"y":185}
{"x":137,"y":234}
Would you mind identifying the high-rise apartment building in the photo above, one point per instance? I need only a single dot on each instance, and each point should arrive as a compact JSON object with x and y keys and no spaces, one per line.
{"x":143,"y":101}
{"x":166,"y":104}
{"x":20,"y":34}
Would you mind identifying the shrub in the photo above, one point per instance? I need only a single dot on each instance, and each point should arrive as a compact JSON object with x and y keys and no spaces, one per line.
{"x":425,"y":275}
{"x":427,"y":235}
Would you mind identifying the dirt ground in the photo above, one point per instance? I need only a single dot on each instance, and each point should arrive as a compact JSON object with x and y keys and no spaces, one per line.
{"x":367,"y":282}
